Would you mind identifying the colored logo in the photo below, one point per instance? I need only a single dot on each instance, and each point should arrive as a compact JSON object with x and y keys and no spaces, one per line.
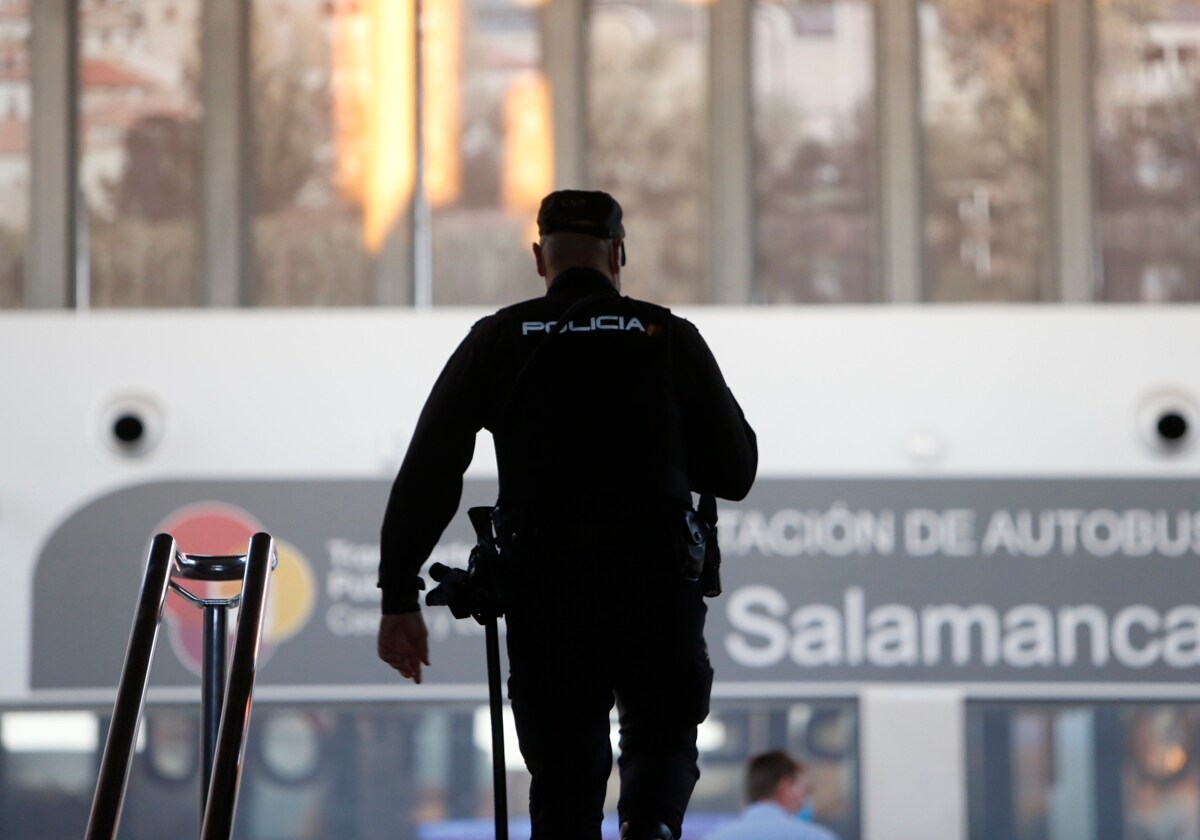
{"x":222,"y":529}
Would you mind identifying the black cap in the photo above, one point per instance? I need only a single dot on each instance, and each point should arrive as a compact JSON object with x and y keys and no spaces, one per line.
{"x":589,"y":212}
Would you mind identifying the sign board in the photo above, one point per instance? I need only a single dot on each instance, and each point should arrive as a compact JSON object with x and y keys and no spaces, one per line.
{"x":826,"y":580}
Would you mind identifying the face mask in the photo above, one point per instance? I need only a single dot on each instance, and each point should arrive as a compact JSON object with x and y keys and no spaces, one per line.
{"x":805,"y":814}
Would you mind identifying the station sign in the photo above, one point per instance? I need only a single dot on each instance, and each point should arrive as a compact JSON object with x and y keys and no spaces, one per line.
{"x":846,"y":580}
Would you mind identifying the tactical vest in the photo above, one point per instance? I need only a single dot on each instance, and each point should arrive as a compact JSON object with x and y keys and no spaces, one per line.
{"x":591,"y":429}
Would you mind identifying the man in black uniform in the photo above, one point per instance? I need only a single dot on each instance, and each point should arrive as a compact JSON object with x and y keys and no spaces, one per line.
{"x":607,"y":414}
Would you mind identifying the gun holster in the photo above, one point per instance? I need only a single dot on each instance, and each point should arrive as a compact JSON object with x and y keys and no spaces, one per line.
{"x":702,"y":555}
{"x":710,"y":574}
{"x":695,"y":537}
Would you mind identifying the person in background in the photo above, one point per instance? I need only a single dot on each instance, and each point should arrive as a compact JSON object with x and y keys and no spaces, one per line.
{"x":776,"y":789}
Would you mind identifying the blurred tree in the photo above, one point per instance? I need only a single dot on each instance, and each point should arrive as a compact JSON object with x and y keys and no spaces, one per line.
{"x":291,"y":122}
{"x":308,"y":248}
{"x":648,"y":141}
{"x":996,"y":53}
{"x":12,"y":268}
{"x":986,"y":165}
{"x":1148,"y":149}
{"x":158,"y":178}
{"x":999,"y":48}
{"x":143,"y":262}
{"x":815,"y":232}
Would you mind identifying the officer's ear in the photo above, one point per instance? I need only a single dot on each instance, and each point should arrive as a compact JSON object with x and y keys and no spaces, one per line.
{"x":540,"y":259}
{"x":616,"y":255}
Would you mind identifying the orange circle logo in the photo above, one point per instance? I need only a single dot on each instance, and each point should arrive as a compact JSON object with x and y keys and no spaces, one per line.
{"x":222,"y":529}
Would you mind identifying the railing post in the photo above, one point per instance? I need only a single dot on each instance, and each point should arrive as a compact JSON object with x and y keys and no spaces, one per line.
{"x":212,"y":692}
{"x":131,"y":692}
{"x":235,"y":714}
{"x":226,"y":691}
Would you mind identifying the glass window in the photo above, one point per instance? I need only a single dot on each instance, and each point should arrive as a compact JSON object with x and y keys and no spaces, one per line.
{"x":1114,"y":770}
{"x":334,"y":178}
{"x":823,"y":736}
{"x":319,"y":219}
{"x":404,"y":769}
{"x":984,"y":91}
{"x":14,"y":150}
{"x":140,"y":121}
{"x":814,"y":126}
{"x":648,"y":138}
{"x":48,"y":762}
{"x":488,"y":147}
{"x":1148,"y":149}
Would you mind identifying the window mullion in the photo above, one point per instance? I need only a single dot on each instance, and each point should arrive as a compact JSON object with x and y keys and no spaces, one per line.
{"x":227,"y":144}
{"x":900,"y":164}
{"x":731,"y":152}
{"x":54,"y":79}
{"x":564,"y":59}
{"x":1072,"y":151}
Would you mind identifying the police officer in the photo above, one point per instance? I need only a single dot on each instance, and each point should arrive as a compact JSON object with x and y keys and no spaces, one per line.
{"x":607,"y":413}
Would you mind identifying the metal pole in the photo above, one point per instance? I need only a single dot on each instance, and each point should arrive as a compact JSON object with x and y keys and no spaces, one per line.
{"x":131,"y":692}
{"x":235,"y":711}
{"x":213,"y":688}
{"x":499,"y":783}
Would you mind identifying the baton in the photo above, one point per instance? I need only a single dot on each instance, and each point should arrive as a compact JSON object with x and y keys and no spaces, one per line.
{"x":499,"y":783}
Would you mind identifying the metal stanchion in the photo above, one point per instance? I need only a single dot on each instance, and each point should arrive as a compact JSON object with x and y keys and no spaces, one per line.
{"x":225,"y":689}
{"x":235,"y":711}
{"x":214,"y":666}
{"x":131,"y":693}
{"x":212,"y":690}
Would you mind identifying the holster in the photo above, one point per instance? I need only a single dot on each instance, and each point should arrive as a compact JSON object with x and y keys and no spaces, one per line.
{"x":702,"y":552}
{"x":695,"y":538}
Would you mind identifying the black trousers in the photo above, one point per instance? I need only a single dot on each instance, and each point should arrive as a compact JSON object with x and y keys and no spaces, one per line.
{"x":591,"y":629}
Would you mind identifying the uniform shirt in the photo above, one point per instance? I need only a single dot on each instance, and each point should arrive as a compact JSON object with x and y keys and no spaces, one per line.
{"x":587,"y":424}
{"x":768,"y":821}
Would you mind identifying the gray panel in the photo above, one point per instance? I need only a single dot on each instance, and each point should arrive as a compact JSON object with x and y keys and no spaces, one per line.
{"x":834,"y":580}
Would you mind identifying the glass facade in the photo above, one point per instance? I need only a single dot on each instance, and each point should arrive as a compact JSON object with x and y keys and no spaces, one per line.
{"x":647,"y":77}
{"x":817,"y":237}
{"x":487,"y":148}
{"x":336,"y":179}
{"x":398,"y":157}
{"x":315,"y":92}
{"x":15,"y":109}
{"x":139,"y":117}
{"x":1109,"y":771}
{"x":1147,"y":79}
{"x":394,"y":771}
{"x":984,"y":88}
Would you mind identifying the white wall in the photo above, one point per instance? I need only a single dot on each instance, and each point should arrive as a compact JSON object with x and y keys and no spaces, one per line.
{"x":954,"y":391}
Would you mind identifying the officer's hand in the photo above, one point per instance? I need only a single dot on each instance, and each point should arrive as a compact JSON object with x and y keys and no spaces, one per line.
{"x":404,"y":643}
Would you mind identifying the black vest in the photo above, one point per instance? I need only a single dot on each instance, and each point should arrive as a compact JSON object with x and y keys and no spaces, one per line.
{"x":589,"y":432}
